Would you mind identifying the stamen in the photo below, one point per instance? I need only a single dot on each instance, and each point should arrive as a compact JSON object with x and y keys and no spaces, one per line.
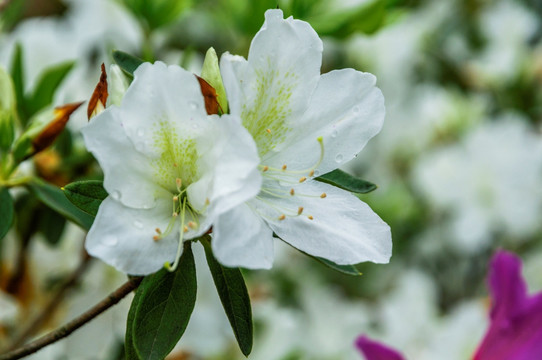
{"x":175,"y":214}
{"x":265,"y":168}
{"x":300,"y":210}
{"x":302,"y":179}
{"x":192,"y":224}
{"x":207,"y":202}
{"x":158,"y":231}
{"x":185,"y":228}
{"x":174,"y":164}
{"x":311,"y":173}
{"x":268,"y":131}
{"x":156,"y":237}
{"x":179,"y":183}
{"x":283,"y":167}
{"x":282,"y":217}
{"x":310,"y":217}
{"x":175,"y":198}
{"x":167,"y":265}
{"x":323,"y":196}
{"x":292,"y":191}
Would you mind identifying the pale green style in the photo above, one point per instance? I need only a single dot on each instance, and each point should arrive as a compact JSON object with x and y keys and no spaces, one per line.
{"x":304,"y":124}
{"x":169,"y":168}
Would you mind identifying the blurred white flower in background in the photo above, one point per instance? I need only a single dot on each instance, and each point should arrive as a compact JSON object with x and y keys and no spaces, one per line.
{"x":489,"y":183}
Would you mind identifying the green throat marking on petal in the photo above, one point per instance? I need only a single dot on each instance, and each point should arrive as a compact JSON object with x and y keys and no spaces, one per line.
{"x":177,"y":159}
{"x":266,"y":118}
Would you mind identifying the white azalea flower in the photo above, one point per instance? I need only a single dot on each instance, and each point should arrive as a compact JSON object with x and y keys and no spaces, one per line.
{"x":304,"y":124}
{"x":170,"y":169}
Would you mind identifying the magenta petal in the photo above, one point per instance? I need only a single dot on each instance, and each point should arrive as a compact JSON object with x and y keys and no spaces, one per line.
{"x":376,"y":351}
{"x":515,"y":332}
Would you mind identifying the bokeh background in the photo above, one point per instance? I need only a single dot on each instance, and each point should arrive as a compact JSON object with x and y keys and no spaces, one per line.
{"x":458,"y":166}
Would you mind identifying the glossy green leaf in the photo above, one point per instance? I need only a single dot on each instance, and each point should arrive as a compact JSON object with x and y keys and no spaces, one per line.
{"x":54,"y":198}
{"x":47,"y":85}
{"x":233,"y":294}
{"x":6,"y":212}
{"x":347,"y":182}
{"x":86,"y":195}
{"x":345,"y":269}
{"x":51,"y":224}
{"x":130,"y":352}
{"x":166,"y":303}
{"x":128,"y":63}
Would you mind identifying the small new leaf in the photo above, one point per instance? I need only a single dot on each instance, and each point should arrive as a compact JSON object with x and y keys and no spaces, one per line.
{"x":86,"y":195}
{"x":6,"y":212}
{"x":166,"y":302}
{"x":128,"y":63}
{"x":54,"y":198}
{"x":233,"y":294}
{"x":347,"y":182}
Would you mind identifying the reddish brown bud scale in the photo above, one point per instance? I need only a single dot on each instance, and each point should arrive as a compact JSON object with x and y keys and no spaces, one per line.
{"x":100,"y":94}
{"x":209,"y":95}
{"x":49,"y":134}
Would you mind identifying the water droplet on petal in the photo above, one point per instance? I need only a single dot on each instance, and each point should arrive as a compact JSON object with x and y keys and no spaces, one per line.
{"x":339,"y":158}
{"x":138,"y":224}
{"x":316,"y":173}
{"x":355,"y":109}
{"x":334,"y":133}
{"x":115,"y":195}
{"x":193,"y":105}
{"x":140,"y":132}
{"x":110,"y":240}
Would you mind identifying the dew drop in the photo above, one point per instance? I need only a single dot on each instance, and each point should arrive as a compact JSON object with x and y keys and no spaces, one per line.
{"x":140,"y":132}
{"x":339,"y":158}
{"x":316,"y":173}
{"x":138,"y":224}
{"x":334,"y":134}
{"x":115,"y":195}
{"x":110,"y":240}
{"x":193,"y":105}
{"x":355,"y":109}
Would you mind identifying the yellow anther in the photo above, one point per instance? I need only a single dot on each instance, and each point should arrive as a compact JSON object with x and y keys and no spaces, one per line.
{"x":174,"y":164}
{"x":300,"y":210}
{"x":158,"y":231}
{"x":268,"y":131}
{"x":175,"y":214}
{"x":324,"y":195}
{"x":311,"y":173}
{"x":292,"y":191}
{"x":302,"y":179}
{"x":156,"y":237}
{"x":185,"y":229}
{"x":265,"y":168}
{"x":283,"y":167}
{"x":282,"y":217}
{"x":175,"y":198}
{"x":192,"y":224}
{"x":310,"y":217}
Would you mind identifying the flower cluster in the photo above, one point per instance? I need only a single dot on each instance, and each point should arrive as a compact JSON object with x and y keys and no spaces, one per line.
{"x":174,"y":172}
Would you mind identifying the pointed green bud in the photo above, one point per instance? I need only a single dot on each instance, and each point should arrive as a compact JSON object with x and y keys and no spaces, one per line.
{"x":211,"y":73}
{"x":8,"y":110}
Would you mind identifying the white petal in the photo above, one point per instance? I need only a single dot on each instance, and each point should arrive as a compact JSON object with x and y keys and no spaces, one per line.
{"x":346,"y":110}
{"x":127,"y":173}
{"x":272,"y":89}
{"x":344,"y":230}
{"x":123,"y":237}
{"x":242,"y":239}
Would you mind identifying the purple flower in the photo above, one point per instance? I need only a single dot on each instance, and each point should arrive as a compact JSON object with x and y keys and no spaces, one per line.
{"x":376,"y":351}
{"x":515,"y":332}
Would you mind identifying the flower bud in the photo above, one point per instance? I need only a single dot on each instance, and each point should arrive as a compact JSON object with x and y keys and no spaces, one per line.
{"x":98,"y":99}
{"x":211,"y":74}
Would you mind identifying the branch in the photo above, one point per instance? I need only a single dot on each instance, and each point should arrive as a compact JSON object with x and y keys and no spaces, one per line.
{"x":76,"y":323}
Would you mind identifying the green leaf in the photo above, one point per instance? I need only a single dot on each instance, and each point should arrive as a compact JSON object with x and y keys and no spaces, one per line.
{"x":128,"y":63}
{"x":86,"y":195}
{"x":54,"y":198}
{"x":233,"y":294}
{"x":51,"y":224}
{"x":46,"y":87}
{"x":6,"y":212}
{"x":166,"y":303}
{"x":345,"y":269}
{"x":129,"y":348}
{"x":347,"y":182}
{"x":17,"y":74}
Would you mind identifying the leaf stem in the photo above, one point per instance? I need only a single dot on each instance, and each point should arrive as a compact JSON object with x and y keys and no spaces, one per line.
{"x":76,"y":323}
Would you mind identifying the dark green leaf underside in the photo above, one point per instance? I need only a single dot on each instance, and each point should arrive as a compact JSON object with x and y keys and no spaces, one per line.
{"x":6,"y":211}
{"x":126,"y":62}
{"x":86,"y":195}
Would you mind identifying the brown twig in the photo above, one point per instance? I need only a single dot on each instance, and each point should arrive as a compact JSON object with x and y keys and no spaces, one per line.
{"x":76,"y":323}
{"x":53,"y":303}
